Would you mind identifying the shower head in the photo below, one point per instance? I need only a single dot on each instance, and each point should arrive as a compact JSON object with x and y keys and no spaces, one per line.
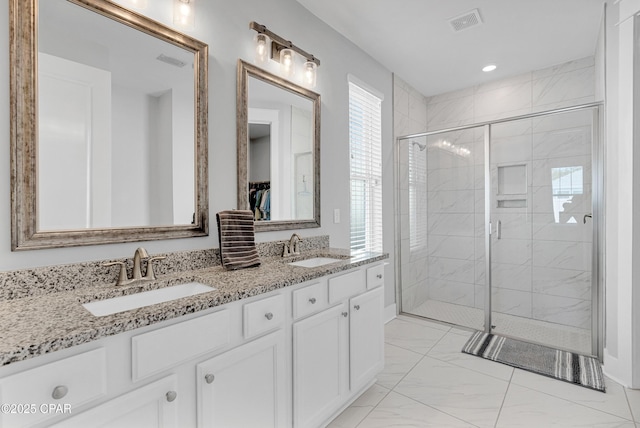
{"x":420,"y":146}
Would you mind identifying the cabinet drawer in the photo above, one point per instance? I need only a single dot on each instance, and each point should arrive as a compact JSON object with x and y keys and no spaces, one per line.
{"x":167,"y":347}
{"x":263,"y":315}
{"x":375,"y":276}
{"x":309,"y":300}
{"x":69,"y":383}
{"x":347,"y":285}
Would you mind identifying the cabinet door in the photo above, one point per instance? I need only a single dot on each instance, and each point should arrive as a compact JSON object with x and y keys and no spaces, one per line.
{"x":245,"y":387}
{"x":366,"y":337}
{"x":320,"y":365}
{"x":154,"y":406}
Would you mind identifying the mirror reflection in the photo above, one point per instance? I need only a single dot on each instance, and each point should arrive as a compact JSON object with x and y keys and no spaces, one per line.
{"x":108,"y":126}
{"x":115,"y":124}
{"x":280,"y":153}
{"x":278,"y":150}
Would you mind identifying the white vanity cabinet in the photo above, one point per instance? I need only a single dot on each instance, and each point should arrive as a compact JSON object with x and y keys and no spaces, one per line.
{"x":337,"y":352}
{"x":290,"y":358}
{"x":366,"y":338}
{"x":320,"y":365}
{"x":245,"y":387}
{"x":153,"y":406}
{"x":55,"y":388}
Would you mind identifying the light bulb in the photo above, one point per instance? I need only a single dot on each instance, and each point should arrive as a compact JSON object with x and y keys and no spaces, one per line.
{"x":287,"y":66}
{"x":310,"y":73}
{"x":183,"y":13}
{"x":262,"y":48}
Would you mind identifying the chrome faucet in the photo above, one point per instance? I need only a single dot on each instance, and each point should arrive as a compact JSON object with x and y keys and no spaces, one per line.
{"x":292,"y":249}
{"x":123,"y":278}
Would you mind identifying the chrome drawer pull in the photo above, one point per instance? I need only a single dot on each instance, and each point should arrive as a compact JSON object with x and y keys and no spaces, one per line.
{"x":344,"y":314}
{"x":268,"y":316}
{"x":209,"y":378}
{"x":312,"y":300}
{"x":59,"y":392}
{"x":379,"y":276}
{"x":171,"y":395}
{"x":357,"y":307}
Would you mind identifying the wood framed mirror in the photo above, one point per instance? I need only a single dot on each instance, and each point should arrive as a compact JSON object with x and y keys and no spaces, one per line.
{"x":278,"y":130}
{"x":108,"y":126}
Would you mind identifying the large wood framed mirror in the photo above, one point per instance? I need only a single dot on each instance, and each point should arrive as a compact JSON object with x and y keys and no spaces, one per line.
{"x":278,"y":150}
{"x":108,"y":126}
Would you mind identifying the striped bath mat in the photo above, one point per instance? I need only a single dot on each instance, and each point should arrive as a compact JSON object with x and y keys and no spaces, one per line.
{"x":563,"y":365}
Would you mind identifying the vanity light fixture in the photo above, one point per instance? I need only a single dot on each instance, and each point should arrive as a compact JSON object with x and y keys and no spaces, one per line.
{"x":285,"y":52}
{"x":183,"y":13}
{"x":488,"y":68}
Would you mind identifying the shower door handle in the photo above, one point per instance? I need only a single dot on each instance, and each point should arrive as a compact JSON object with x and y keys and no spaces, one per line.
{"x":584,"y":219}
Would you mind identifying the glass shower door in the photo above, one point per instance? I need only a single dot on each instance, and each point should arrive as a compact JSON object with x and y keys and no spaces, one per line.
{"x":442,"y":218}
{"x":542,"y":229}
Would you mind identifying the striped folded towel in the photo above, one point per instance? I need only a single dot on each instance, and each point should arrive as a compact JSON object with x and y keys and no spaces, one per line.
{"x":237,"y":240}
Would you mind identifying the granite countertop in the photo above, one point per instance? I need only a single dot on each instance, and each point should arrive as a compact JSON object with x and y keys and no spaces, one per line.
{"x":38,"y":325}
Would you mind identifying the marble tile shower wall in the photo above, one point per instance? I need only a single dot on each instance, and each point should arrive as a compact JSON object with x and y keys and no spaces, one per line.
{"x":410,"y":116}
{"x":541,"y":270}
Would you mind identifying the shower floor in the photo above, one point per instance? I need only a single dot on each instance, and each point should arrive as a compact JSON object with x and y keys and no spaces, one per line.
{"x":546,"y":333}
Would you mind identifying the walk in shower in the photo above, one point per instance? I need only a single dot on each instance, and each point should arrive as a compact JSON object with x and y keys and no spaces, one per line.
{"x":499,"y":227}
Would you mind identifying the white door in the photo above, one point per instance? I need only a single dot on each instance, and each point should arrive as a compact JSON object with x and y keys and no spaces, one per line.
{"x":151,"y":406}
{"x":320,"y":365}
{"x":366,"y":337}
{"x":74,"y":139}
{"x":245,"y":387}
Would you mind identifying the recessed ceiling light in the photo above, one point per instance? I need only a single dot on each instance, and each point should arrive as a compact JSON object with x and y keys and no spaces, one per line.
{"x":488,"y":68}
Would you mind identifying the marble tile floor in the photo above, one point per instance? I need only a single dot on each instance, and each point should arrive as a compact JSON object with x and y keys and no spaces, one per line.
{"x":428,"y":382}
{"x":546,"y":333}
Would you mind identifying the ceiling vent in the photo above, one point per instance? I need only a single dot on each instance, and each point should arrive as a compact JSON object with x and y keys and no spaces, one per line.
{"x":466,"y":20}
{"x":170,"y":60}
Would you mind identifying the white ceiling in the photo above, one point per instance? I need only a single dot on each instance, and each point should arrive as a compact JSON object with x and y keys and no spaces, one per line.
{"x":413,"y":38}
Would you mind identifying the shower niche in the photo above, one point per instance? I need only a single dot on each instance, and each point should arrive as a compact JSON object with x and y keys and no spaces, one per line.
{"x":512,"y":186}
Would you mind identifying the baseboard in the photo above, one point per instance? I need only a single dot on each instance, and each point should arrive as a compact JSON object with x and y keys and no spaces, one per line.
{"x":390,"y":312}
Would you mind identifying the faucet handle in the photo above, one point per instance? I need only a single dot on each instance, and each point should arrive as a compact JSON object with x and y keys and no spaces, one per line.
{"x":296,"y":246}
{"x":150,"y":275}
{"x":285,"y":251}
{"x":122,"y":276}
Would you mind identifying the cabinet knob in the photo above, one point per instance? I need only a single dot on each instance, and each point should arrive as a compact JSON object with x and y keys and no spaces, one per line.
{"x":312,"y":300}
{"x":357,"y":307}
{"x":59,"y":392}
{"x":268,"y":316}
{"x":209,"y":378}
{"x":379,"y":276}
{"x":171,"y":395}
{"x":344,"y":314}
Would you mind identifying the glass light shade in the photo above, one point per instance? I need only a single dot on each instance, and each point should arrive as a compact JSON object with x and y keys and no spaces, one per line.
{"x":310,"y":73}
{"x":287,"y":63}
{"x":183,"y":13}
{"x":263,"y":48}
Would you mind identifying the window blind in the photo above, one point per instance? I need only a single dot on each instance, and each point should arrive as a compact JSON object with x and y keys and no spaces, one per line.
{"x":365,"y":146}
{"x":417,"y":197}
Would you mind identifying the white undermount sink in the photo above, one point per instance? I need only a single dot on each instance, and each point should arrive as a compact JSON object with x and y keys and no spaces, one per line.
{"x":114,"y":305}
{"x":315,"y":262}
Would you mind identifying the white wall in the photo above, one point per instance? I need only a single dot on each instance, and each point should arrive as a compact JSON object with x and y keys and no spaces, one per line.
{"x":622,"y":347}
{"x":224,"y":25}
